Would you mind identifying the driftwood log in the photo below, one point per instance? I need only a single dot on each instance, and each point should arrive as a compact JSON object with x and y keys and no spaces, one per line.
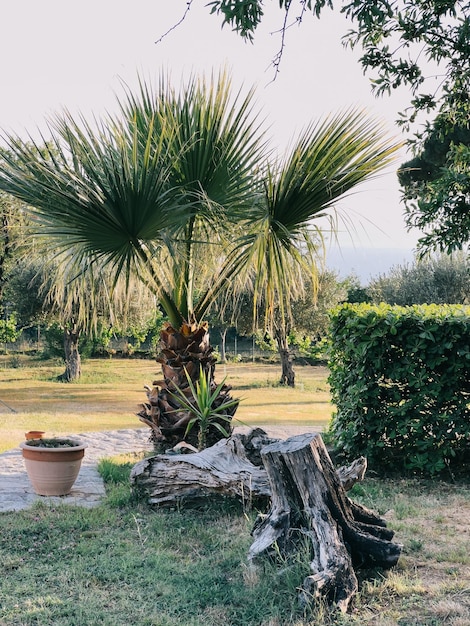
{"x":231,"y":467}
{"x":308,"y":504}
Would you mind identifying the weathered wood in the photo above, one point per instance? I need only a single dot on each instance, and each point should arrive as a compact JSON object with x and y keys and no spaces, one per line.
{"x":225,"y":468}
{"x":232,"y":467}
{"x":309,"y":506}
{"x":309,"y":502}
{"x":349,"y":475}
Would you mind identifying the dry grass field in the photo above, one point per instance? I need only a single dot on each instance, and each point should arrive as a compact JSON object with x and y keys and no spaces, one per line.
{"x":109,"y":392}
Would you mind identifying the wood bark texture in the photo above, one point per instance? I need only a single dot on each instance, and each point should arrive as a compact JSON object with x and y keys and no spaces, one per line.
{"x":73,"y":368}
{"x":310,"y":510}
{"x":227,"y":468}
{"x":288,"y":373}
{"x":232,"y":467}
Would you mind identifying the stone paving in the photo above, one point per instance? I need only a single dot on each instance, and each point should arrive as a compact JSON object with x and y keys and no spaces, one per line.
{"x":16,"y":492}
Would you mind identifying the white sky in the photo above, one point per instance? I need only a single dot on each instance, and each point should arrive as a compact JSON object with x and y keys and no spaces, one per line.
{"x":55,"y":54}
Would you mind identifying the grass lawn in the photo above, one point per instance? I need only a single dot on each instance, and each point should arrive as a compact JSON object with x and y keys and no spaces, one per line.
{"x":123,"y":564}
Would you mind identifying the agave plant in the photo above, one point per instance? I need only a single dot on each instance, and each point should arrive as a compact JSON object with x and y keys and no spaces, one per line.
{"x":205,"y":405}
{"x":180,"y":189}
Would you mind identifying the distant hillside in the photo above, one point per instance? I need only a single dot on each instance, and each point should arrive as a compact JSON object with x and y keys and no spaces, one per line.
{"x":366,"y":263}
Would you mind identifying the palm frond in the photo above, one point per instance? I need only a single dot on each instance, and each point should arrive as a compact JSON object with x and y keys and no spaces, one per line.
{"x":281,"y":238}
{"x":100,"y":194}
{"x":215,"y":145}
{"x":177,"y":190}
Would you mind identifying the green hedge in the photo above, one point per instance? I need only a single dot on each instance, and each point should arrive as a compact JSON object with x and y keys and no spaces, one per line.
{"x":400,"y":379}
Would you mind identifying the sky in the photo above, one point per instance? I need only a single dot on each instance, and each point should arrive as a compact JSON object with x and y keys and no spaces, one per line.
{"x":59,"y":54}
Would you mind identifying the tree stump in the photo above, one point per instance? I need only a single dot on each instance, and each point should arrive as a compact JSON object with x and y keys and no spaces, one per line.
{"x":308,"y":502}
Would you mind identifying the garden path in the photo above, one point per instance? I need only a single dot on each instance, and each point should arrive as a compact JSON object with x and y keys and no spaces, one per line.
{"x":16,"y":492}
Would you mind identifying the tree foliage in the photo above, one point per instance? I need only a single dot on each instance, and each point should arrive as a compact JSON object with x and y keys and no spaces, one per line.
{"x":8,"y":329}
{"x":180,"y":183}
{"x":306,"y":326}
{"x":310,"y":314}
{"x":436,"y":187}
{"x":399,"y":38}
{"x":23,"y":292}
{"x":421,"y":45}
{"x":12,"y":234}
{"x":441,"y":279}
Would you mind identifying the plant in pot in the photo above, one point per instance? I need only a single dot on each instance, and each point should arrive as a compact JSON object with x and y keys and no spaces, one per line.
{"x":52,"y":464}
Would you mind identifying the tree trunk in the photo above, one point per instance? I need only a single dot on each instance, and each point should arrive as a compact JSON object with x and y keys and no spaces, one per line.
{"x":231,"y":467}
{"x":310,"y":510}
{"x":223,"y":351}
{"x":183,"y":352}
{"x":5,"y":248}
{"x":288,"y":374}
{"x":72,"y":355}
{"x":227,"y":468}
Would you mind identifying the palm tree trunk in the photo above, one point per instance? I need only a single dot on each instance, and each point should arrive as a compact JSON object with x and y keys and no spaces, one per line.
{"x":183,"y":352}
{"x":288,"y":374}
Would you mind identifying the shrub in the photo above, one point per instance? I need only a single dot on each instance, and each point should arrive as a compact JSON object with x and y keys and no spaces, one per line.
{"x":400,"y":379}
{"x":8,"y":330}
{"x":442,"y":279}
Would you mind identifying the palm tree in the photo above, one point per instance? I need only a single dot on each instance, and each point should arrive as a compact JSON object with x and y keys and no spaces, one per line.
{"x":180,"y":189}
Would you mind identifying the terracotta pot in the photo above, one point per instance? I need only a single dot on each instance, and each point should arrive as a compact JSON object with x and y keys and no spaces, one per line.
{"x":34,"y":434}
{"x":52,"y":471}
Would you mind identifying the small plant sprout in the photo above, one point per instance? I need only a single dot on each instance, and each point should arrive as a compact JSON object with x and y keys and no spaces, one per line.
{"x":201,"y":404}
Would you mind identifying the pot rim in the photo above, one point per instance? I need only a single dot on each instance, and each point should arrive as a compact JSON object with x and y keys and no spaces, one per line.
{"x":79,"y":446}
